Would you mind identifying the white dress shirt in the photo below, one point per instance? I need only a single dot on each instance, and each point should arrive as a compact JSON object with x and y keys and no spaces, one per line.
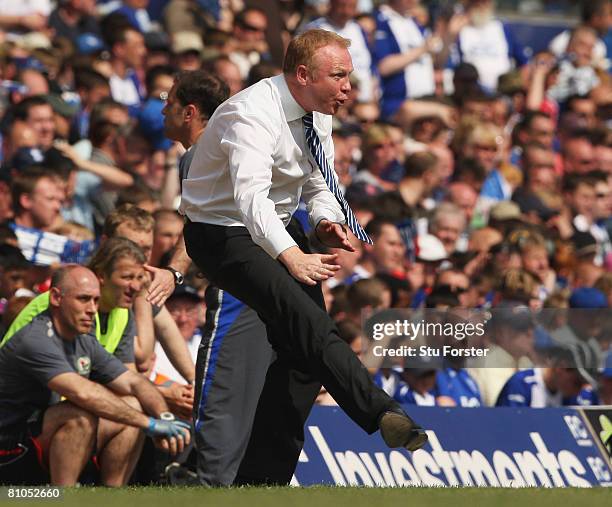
{"x":252,"y":165}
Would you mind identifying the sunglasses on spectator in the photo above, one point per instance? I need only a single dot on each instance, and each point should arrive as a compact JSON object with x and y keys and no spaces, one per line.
{"x":252,"y":28}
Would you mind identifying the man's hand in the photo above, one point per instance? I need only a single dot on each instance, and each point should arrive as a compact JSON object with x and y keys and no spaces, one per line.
{"x":434,"y":44}
{"x":169,"y":444}
{"x":162,"y":285}
{"x":309,"y":268}
{"x":164,"y":429}
{"x":333,"y":235}
{"x":445,"y":401}
{"x":34,"y":22}
{"x":456,"y":24}
{"x":68,"y":151}
{"x":179,"y":399}
{"x":171,"y":436}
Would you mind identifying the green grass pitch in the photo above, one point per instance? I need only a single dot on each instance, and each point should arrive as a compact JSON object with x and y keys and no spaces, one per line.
{"x":327,"y":496}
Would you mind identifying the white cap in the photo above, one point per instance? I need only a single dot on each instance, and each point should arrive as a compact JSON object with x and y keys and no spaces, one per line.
{"x":430,"y":248}
{"x":187,"y":41}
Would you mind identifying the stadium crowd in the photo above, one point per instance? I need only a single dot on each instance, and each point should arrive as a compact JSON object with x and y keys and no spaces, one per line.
{"x":482,"y":172}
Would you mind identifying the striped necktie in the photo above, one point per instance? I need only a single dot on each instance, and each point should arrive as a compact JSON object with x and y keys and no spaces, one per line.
{"x":316,"y":148}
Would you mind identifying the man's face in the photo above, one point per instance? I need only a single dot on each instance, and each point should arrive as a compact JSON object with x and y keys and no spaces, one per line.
{"x":6,"y":202}
{"x":582,"y":45}
{"x":602,"y":21}
{"x":254,"y":27}
{"x":343,"y":11}
{"x":380,"y":155}
{"x":519,"y":342}
{"x":35,"y":82}
{"x":366,"y":113}
{"x":342,"y":160}
{"x":163,"y":83}
{"x":134,"y":49}
{"x":583,"y":199}
{"x":124,"y":283}
{"x":434,"y":177}
{"x":12,"y":280}
{"x":84,"y":7}
{"x":174,"y":116}
{"x":540,"y":168}
{"x":389,"y":249}
{"x":586,"y":109}
{"x":21,"y":135}
{"x":448,"y":229}
{"x":44,"y":203}
{"x":446,"y":160}
{"x":415,"y":275}
{"x":78,"y":304}
{"x":167,"y":233}
{"x":603,"y":200}
{"x":542,"y":130}
{"x":568,"y":381}
{"x":403,"y":6}
{"x":579,"y":156}
{"x":230,"y":73}
{"x":117,"y":116}
{"x":535,"y":261}
{"x":465,"y":198}
{"x":189,"y":60}
{"x":144,"y":239}
{"x":328,"y":83}
{"x":134,"y":152}
{"x":40,"y":118}
{"x":184,"y":311}
{"x":603,"y":156}
{"x":536,"y":158}
{"x":477,"y":109}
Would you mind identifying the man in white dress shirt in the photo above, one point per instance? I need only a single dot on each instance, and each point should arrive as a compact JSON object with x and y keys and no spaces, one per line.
{"x":262,"y":150}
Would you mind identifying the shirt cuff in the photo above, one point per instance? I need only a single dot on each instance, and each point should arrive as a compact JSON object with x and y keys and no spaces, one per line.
{"x":276,"y":242}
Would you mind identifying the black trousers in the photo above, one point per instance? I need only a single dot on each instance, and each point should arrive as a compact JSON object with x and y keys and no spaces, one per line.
{"x":301,"y":332}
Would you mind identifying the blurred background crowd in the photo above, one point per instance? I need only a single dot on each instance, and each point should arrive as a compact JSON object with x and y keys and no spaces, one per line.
{"x":476,"y":148}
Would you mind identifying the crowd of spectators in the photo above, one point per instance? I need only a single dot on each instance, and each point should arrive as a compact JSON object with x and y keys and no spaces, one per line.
{"x":482,"y":172}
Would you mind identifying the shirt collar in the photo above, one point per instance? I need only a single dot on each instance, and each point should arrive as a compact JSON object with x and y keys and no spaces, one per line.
{"x":293,"y":111}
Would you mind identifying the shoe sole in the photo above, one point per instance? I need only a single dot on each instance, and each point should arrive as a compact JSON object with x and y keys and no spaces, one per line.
{"x":394,"y":428}
{"x":418,"y":439}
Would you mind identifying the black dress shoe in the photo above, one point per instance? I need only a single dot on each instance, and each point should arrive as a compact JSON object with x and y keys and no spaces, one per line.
{"x":398,"y":430}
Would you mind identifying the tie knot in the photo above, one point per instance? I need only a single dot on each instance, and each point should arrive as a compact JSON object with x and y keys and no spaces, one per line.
{"x":307,"y":119}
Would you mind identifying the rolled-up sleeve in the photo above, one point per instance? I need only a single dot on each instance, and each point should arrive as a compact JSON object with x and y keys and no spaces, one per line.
{"x":249,"y":145}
